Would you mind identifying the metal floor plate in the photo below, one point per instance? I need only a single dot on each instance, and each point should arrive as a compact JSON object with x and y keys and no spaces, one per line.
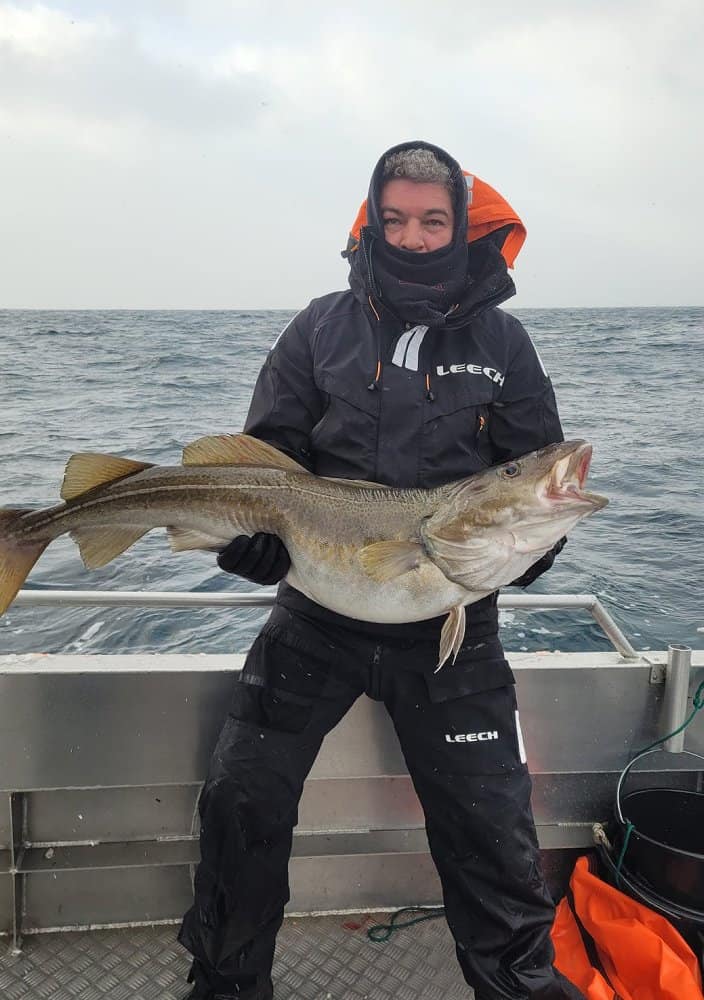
{"x":317,"y":958}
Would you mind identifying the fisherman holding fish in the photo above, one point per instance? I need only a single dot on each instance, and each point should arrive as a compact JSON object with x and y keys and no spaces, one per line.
{"x":411,"y":378}
{"x":403,"y":460}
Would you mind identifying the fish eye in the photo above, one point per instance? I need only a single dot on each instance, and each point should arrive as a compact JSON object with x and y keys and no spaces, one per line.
{"x":511,"y":470}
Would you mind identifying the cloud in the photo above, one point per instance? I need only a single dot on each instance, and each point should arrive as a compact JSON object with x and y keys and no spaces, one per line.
{"x":43,"y":33}
{"x":210,"y":152}
{"x":76,"y":73}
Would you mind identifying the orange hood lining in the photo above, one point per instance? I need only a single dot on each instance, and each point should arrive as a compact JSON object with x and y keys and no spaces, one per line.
{"x":487,"y":211}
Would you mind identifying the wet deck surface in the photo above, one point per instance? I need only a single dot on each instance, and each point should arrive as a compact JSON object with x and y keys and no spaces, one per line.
{"x":317,"y":958}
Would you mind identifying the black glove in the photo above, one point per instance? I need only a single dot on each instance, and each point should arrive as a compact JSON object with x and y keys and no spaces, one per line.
{"x":538,"y":568}
{"x":262,"y":558}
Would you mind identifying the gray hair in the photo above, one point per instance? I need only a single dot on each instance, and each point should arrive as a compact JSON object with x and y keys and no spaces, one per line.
{"x":419,"y":165}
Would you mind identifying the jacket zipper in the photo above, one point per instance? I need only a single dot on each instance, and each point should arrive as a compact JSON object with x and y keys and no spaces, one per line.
{"x":375,"y":679}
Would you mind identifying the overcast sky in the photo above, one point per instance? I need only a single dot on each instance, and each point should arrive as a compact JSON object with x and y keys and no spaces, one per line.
{"x":213,"y":154}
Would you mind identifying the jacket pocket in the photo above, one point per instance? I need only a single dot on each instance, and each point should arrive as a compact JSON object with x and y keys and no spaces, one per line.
{"x":280,"y":684}
{"x":344,"y":439}
{"x":480,"y":666}
{"x":474,"y":733}
{"x":456,"y":440}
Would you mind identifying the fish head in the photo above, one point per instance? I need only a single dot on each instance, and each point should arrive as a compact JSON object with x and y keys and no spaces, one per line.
{"x":554,"y":478}
{"x":494,"y":525}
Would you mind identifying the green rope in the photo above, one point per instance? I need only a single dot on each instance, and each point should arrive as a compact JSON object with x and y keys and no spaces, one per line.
{"x":629,"y":829}
{"x":698,"y":702}
{"x":382,"y":932}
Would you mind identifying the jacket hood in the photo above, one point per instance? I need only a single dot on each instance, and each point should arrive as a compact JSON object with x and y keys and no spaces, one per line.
{"x":487,"y":237}
{"x":483,"y":208}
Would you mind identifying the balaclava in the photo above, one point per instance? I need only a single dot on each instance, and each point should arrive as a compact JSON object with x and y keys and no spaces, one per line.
{"x":418,"y":287}
{"x":444,"y":287}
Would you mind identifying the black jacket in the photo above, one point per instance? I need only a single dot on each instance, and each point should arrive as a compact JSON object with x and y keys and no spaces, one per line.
{"x":445,"y":404}
{"x":352,"y":390}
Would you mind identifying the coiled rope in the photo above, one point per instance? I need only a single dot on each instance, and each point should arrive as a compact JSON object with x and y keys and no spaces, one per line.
{"x":382,"y":932}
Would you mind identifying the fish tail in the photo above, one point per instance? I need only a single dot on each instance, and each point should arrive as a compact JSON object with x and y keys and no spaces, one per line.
{"x":16,"y":557}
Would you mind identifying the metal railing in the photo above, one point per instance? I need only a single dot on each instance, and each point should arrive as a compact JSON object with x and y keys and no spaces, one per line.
{"x":265,"y":599}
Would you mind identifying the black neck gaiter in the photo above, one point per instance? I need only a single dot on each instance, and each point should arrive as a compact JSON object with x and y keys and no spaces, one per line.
{"x":420,"y":288}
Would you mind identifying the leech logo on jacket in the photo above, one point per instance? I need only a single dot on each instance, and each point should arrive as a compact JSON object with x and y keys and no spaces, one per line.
{"x":492,"y":373}
{"x":472,"y":737}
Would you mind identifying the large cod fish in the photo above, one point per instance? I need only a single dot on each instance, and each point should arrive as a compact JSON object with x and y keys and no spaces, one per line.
{"x":364,"y":550}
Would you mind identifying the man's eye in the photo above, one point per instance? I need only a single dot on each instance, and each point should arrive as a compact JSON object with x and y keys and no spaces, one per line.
{"x":436,"y":223}
{"x":391,"y":222}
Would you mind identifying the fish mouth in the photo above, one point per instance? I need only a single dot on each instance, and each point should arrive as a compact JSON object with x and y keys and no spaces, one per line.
{"x":567,"y":478}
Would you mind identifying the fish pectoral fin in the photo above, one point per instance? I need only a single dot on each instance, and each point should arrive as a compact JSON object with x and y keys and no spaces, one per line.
{"x":237,"y":449}
{"x":99,"y":546}
{"x":184,"y":539}
{"x":16,"y":558}
{"x":475,"y":563}
{"x":384,"y":561}
{"x":452,"y":635}
{"x":86,"y":470}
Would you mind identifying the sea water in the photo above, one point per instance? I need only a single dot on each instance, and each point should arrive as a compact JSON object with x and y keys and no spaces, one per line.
{"x":142,"y":384}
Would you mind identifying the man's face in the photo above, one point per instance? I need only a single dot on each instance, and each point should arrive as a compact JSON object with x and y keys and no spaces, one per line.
{"x":416,"y":217}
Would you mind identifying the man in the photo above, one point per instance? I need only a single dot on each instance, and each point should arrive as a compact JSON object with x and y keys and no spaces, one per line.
{"x":411,"y":378}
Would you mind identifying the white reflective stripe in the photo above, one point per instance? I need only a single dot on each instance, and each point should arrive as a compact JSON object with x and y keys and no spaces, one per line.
{"x":540,"y":360}
{"x":280,"y":335}
{"x":414,"y":347}
{"x":521,"y":747}
{"x":407,"y":348}
{"x":470,"y":185}
{"x":400,"y":352}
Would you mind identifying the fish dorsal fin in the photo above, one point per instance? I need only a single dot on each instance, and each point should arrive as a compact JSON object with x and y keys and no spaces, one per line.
{"x":86,"y":470}
{"x":99,"y":546}
{"x":237,"y":449}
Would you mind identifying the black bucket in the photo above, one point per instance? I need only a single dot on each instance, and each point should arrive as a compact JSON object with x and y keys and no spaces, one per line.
{"x":666,"y":845}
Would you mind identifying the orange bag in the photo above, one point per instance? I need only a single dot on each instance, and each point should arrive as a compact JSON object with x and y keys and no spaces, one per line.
{"x":614,"y":948}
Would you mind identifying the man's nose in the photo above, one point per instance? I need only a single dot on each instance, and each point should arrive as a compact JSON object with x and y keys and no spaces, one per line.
{"x":412,"y":238}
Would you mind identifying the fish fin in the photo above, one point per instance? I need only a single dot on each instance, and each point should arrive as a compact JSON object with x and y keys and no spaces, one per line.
{"x":480,"y":562}
{"x":184,"y":539}
{"x":16,"y":558}
{"x":86,"y":470}
{"x":384,"y":561}
{"x":237,"y":449}
{"x":452,"y":634}
{"x":99,"y":546}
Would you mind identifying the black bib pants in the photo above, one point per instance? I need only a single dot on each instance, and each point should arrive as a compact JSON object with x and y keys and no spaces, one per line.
{"x":299,"y":679}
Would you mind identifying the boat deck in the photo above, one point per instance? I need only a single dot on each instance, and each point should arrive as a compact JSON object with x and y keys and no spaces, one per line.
{"x":103,"y":757}
{"x":317,"y":958}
